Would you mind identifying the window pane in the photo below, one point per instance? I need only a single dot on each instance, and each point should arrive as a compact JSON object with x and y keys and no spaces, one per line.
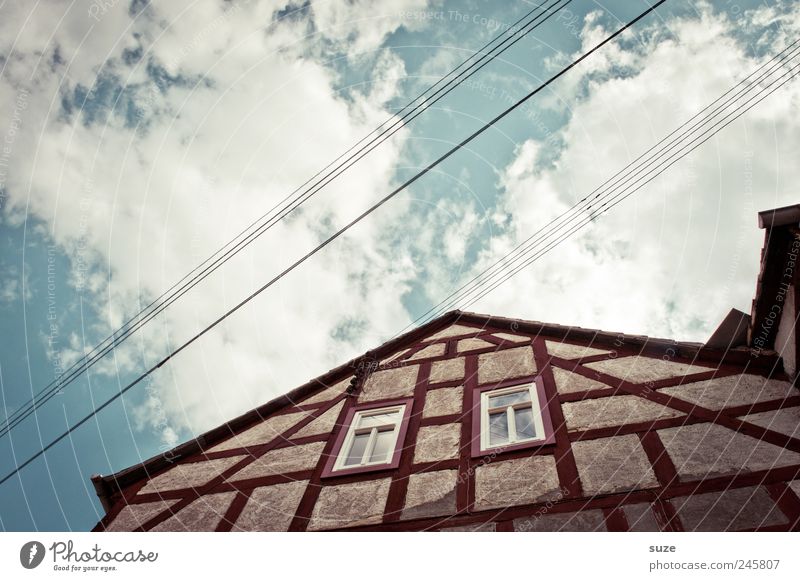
{"x":498,"y":428}
{"x":357,"y":449}
{"x":523,"y":421}
{"x":378,"y":420}
{"x":509,"y":398}
{"x":383,"y":443}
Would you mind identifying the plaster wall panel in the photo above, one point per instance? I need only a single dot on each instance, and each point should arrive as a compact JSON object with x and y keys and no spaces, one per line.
{"x":282,"y":461}
{"x":583,"y":521}
{"x":271,"y":508}
{"x":506,"y":364}
{"x":447,"y":370}
{"x":350,"y":505}
{"x":329,"y":393}
{"x":390,"y":384}
{"x":613,"y":411}
{"x":204,"y":514}
{"x":641,"y":518}
{"x":443,"y":402}
{"x":637,"y":369}
{"x":453,"y":331}
{"x":435,"y":350}
{"x":262,"y":433}
{"x":734,"y":390}
{"x":731,"y":510}
{"x":569,"y":351}
{"x":325,"y":424}
{"x":615,"y":464}
{"x":569,"y":382}
{"x":431,"y":494}
{"x":514,"y":482}
{"x":786,"y":421}
{"x":705,"y":450}
{"x":512,"y":338}
{"x":437,"y":443}
{"x":189,"y":475}
{"x":472,"y":345}
{"x":133,"y":516}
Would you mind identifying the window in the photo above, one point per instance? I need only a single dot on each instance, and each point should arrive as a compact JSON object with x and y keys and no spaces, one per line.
{"x":511,"y":417}
{"x":371,"y":438}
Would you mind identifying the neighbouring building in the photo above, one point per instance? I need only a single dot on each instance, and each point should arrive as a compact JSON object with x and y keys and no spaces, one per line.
{"x":480,"y":423}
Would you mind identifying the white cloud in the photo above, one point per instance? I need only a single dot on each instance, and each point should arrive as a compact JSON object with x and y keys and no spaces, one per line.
{"x":14,"y":285}
{"x":249,"y":119}
{"x":674,"y":258}
{"x":362,"y":24}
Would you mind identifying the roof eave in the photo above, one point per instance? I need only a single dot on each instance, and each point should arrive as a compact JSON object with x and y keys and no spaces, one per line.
{"x":779,"y":217}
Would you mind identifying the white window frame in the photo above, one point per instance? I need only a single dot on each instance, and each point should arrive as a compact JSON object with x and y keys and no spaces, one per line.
{"x":354,"y":428}
{"x":513,"y":440}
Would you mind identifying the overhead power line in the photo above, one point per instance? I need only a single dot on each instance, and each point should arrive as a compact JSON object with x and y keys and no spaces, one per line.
{"x":608,"y":205}
{"x":339,"y":233}
{"x":750,"y":91}
{"x":467,"y":68}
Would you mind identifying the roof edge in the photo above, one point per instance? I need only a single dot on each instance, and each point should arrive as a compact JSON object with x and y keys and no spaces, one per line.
{"x":779,"y":216}
{"x":764,"y":359}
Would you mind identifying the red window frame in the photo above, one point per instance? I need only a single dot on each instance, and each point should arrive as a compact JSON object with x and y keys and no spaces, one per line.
{"x":549,"y":434}
{"x":328,"y":471}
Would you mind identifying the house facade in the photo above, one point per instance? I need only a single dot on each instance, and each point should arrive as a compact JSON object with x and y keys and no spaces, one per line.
{"x":480,"y":423}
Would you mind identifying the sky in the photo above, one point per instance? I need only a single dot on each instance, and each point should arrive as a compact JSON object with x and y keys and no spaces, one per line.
{"x":138,"y":138}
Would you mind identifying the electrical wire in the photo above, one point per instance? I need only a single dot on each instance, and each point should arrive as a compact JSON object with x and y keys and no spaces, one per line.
{"x":339,"y":233}
{"x":607,"y":188}
{"x":605,"y":207}
{"x":157,"y":306}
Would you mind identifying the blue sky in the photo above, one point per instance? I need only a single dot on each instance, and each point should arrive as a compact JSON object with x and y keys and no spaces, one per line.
{"x":141,"y":138}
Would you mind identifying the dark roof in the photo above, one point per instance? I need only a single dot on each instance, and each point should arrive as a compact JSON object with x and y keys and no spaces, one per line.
{"x":732,"y":331}
{"x":781,"y":230}
{"x":785,"y":216}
